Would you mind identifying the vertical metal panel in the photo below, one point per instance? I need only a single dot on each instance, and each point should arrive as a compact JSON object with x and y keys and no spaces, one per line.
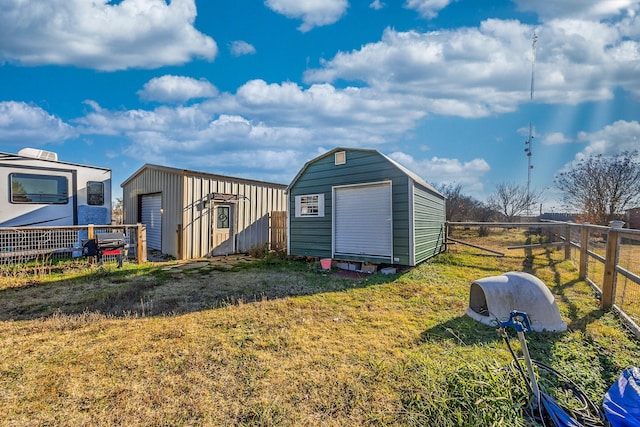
{"x":429,"y":218}
{"x":186,"y":203}
{"x":150,"y":181}
{"x":363,"y":220}
{"x":151,"y":216}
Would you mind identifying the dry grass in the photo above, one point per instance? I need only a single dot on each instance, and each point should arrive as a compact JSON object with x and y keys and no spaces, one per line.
{"x":278,"y":343}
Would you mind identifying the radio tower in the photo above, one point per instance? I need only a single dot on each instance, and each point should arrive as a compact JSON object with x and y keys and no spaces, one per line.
{"x":529,"y":142}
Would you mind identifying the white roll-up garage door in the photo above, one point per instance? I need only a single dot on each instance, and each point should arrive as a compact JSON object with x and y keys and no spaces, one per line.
{"x":152,"y":218}
{"x":362,"y":220}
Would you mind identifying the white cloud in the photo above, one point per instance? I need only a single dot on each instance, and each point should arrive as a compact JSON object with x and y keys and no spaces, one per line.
{"x":187,"y":131}
{"x":353,"y":113}
{"x":468,"y":72}
{"x":171,"y":89}
{"x":428,"y":8}
{"x":240,"y":47}
{"x":591,"y":9}
{"x":476,"y":72}
{"x":249,"y":161}
{"x":234,"y":143}
{"x":28,"y":125}
{"x":555,"y":138}
{"x":102,"y":35}
{"x":314,"y":13}
{"x":377,"y":5}
{"x":612,"y":139}
{"x":437,"y":170}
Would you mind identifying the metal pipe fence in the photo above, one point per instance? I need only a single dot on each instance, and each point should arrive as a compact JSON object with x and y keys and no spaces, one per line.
{"x":28,"y":244}
{"x":608,"y":258}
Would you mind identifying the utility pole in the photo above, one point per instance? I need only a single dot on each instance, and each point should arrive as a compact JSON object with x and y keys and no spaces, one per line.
{"x":529,"y":142}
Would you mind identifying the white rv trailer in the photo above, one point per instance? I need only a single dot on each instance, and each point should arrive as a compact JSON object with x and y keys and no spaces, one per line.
{"x":37,"y":190}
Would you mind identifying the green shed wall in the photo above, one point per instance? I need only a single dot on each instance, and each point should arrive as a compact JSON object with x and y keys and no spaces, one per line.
{"x":429,"y":222}
{"x":312,"y":236}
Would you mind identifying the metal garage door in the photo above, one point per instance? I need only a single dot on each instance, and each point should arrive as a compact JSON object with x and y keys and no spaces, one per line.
{"x":362,"y":220}
{"x":151,"y":217}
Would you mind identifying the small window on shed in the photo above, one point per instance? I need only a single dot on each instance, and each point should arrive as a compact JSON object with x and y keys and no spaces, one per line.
{"x":311,"y":205}
{"x":341,"y":158}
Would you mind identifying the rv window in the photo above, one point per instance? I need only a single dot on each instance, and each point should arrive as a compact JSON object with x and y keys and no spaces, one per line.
{"x":95,"y":193}
{"x":39,"y":189}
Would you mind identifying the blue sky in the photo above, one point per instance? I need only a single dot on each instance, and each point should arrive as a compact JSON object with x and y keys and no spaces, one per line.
{"x":254,"y":89}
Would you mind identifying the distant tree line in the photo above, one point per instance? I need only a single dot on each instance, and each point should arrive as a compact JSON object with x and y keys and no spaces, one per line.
{"x":600,"y":187}
{"x":461,"y":208}
{"x":508,"y":203}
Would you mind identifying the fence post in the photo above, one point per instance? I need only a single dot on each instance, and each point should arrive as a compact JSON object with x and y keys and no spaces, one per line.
{"x":446,"y":235}
{"x":141,"y":246}
{"x":584,"y":248}
{"x":567,"y":240}
{"x":611,"y":259}
{"x":90,"y":235}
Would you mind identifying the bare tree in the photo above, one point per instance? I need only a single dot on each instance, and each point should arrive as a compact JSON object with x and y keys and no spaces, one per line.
{"x":601,"y":187}
{"x":117,"y":211}
{"x":455,"y":205}
{"x":460,"y":207}
{"x":513,"y":200}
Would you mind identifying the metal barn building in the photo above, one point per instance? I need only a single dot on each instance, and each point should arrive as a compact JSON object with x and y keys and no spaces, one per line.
{"x":360,"y":205}
{"x":191,"y":214}
{"x":632,"y":218}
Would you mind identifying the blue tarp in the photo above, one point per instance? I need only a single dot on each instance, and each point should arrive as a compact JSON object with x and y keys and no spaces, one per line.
{"x":622,"y":400}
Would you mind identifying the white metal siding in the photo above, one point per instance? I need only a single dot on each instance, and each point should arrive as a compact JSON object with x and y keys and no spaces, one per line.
{"x":251,"y":212}
{"x":152,"y":218}
{"x":187,"y":204}
{"x":152,"y":181}
{"x":363,"y":220}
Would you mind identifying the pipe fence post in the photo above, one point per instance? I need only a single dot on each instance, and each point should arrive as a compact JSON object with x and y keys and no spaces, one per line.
{"x":567,"y":241}
{"x":584,"y":247}
{"x":611,"y":259}
{"x":446,"y":236}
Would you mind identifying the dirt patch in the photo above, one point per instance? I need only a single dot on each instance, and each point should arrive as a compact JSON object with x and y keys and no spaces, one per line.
{"x":206,"y":264}
{"x":351,"y":274}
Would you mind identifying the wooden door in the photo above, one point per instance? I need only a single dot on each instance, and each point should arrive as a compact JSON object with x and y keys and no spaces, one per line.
{"x":222,"y":235}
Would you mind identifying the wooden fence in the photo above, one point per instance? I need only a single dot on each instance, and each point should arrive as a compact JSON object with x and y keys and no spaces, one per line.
{"x":278,"y":230}
{"x":608,"y":258}
{"x":25,"y":244}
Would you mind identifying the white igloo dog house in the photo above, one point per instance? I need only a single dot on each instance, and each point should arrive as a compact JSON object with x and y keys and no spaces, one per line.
{"x":492,"y":299}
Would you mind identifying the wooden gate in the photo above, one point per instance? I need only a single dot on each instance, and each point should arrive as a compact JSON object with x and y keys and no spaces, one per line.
{"x":278,"y":230}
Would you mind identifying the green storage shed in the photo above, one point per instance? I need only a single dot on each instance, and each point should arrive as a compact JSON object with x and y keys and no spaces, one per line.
{"x":359,"y":205}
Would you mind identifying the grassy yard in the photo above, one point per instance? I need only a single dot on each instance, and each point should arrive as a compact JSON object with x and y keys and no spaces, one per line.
{"x":274,"y":342}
